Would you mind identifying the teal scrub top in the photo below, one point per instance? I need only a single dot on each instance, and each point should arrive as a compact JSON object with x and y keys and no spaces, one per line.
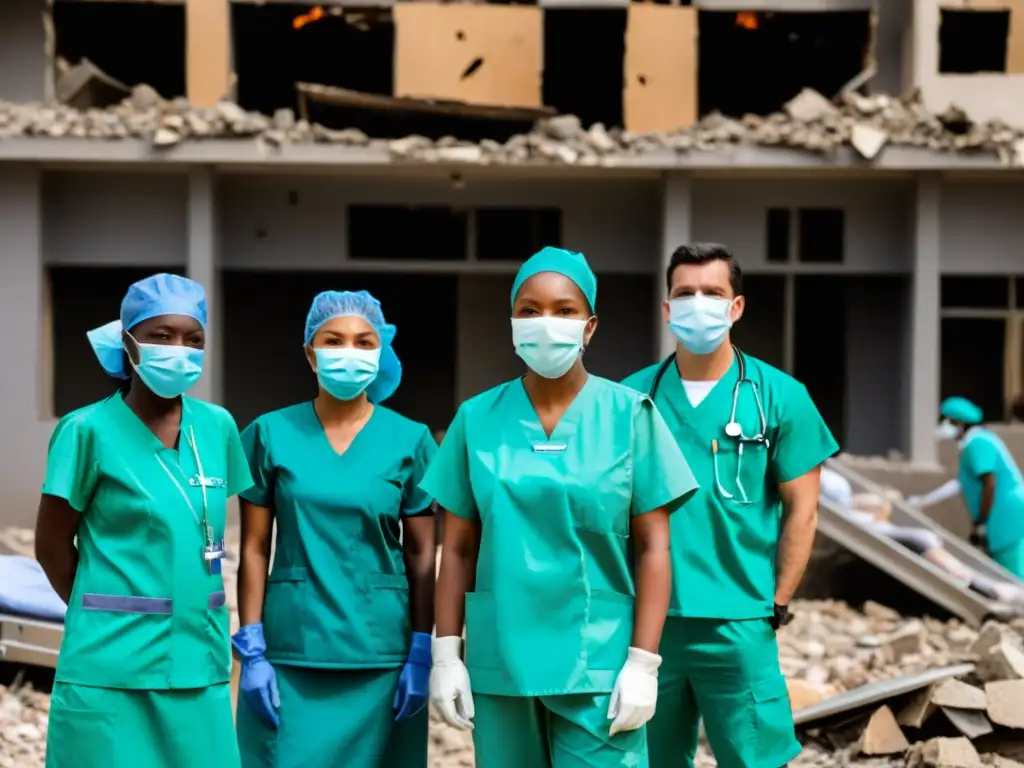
{"x":723,"y":551}
{"x":984,"y":453}
{"x":145,"y":611}
{"x":337,"y":595}
{"x":552,"y":610}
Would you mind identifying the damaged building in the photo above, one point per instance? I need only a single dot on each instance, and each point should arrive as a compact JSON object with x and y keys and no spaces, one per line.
{"x":862,"y":158}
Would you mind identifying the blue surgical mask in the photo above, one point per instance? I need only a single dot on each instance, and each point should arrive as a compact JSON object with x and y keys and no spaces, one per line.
{"x":168,"y":371}
{"x":700,"y":322}
{"x":548,"y":345}
{"x":346,"y":372}
{"x":947,"y":431}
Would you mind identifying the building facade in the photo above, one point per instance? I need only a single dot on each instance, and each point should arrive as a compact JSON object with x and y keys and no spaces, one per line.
{"x":883,"y":285}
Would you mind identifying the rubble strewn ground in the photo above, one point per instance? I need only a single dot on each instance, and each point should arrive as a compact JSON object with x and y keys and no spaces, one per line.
{"x":828,"y":648}
{"x":808,"y":122}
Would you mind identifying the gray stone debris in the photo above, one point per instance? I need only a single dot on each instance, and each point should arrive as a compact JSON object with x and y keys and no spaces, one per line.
{"x":828,"y":648}
{"x":808,"y":122}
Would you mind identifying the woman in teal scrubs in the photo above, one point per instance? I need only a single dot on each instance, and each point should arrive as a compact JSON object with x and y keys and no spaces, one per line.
{"x":142,"y":480}
{"x":347,"y":611}
{"x":558,"y":488}
{"x":991,"y":484}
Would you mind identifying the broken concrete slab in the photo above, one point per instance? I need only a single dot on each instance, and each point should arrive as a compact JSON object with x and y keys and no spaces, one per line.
{"x":86,"y":86}
{"x":944,"y":753}
{"x":882,"y":735}
{"x":910,"y":639}
{"x":868,"y":140}
{"x":970,"y":722}
{"x":1004,"y":661}
{"x":918,"y":709}
{"x":1006,"y":702}
{"x":956,"y":693}
{"x":809,"y":106}
{"x":803,"y":694}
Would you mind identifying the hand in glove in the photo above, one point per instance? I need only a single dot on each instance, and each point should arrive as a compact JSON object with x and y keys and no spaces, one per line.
{"x":258,"y":685}
{"x":449,"y":684}
{"x":979,"y":536}
{"x":636,"y":691}
{"x":412,"y":692}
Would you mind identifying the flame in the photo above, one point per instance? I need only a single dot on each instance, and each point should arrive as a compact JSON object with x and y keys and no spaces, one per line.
{"x":747,"y":20}
{"x":315,"y":14}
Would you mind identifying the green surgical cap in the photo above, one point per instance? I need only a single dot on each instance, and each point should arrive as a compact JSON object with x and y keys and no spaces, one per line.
{"x":961,"y":409}
{"x":569,"y":263}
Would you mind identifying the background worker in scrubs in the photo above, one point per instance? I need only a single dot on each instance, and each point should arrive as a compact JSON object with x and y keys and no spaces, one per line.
{"x":739,"y":551}
{"x":348,"y":609}
{"x":142,"y":479}
{"x":990,"y":482}
{"x":558,"y":488}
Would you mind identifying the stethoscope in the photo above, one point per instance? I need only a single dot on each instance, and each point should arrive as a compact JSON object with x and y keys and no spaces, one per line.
{"x":733,"y":429}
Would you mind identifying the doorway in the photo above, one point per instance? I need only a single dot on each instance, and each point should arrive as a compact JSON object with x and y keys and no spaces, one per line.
{"x":973,"y":358}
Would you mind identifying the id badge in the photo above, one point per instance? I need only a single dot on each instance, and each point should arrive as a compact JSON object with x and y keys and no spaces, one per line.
{"x":213,"y":554}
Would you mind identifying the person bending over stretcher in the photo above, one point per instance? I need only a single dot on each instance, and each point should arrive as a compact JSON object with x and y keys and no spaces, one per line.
{"x":873,"y":510}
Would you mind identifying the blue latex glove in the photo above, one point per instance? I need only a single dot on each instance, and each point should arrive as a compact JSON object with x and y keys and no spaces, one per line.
{"x":258,"y":685}
{"x":414,"y":684}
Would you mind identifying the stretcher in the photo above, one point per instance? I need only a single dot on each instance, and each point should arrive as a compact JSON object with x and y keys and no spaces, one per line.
{"x":31,"y":614}
{"x":911,"y":569}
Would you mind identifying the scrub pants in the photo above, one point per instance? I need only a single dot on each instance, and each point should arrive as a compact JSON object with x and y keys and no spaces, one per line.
{"x":117,"y":728}
{"x":565,"y":731}
{"x":1011,"y":558}
{"x":334,"y":718}
{"x":727,"y":672}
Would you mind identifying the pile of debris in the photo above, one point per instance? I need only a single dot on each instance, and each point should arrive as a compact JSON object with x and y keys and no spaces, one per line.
{"x":808,"y":122}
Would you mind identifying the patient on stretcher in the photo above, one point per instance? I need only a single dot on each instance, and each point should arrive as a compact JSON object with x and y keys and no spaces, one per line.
{"x":873,"y":511}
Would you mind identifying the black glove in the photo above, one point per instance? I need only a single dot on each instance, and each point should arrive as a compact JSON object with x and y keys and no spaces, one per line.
{"x":780,"y":616}
{"x":979,"y":536}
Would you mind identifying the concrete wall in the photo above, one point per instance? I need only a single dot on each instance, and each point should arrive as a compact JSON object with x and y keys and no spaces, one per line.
{"x":24,"y":71}
{"x":984,"y":96}
{"x":982,"y":218}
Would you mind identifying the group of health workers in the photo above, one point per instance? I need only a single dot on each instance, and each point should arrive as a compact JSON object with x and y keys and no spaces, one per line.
{"x":989,"y":481}
{"x":616,"y":552}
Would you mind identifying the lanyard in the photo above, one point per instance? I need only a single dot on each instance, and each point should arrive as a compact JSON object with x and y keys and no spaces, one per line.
{"x":205,"y":529}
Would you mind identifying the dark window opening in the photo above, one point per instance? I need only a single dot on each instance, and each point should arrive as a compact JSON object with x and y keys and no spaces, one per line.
{"x":819,"y":345}
{"x":972,"y":363}
{"x":959,"y":292}
{"x":760,"y":331}
{"x":822,"y":232}
{"x":277,"y":46}
{"x":973,"y":41}
{"x":777,"y":221}
{"x":584,"y":50}
{"x":83,"y":298}
{"x":513,"y":234}
{"x":756,"y":62}
{"x":414,"y":232}
{"x":135,"y":43}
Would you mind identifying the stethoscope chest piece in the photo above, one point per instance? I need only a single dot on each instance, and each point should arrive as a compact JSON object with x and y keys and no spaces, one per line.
{"x":733,"y":429}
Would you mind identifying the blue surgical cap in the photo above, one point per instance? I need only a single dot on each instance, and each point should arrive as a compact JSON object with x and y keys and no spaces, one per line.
{"x":569,"y":263}
{"x":961,"y":409}
{"x":161,"y":294}
{"x":330,"y":304}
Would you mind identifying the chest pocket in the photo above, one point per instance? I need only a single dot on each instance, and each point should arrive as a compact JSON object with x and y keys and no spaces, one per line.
{"x":742,"y":471}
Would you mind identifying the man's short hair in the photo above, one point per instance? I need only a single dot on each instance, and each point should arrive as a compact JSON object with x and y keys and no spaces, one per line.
{"x":702,"y":253}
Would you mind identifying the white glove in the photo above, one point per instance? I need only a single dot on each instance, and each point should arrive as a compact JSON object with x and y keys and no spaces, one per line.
{"x":449,"y":684}
{"x":914,"y":501}
{"x":635,"y":695}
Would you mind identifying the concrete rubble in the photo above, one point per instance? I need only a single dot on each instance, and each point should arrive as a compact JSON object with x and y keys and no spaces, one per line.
{"x":827,"y":649}
{"x":808,"y":122}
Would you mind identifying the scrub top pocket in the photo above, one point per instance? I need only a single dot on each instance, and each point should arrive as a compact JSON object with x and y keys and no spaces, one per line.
{"x":742,"y":476}
{"x":284,"y":610}
{"x":388,"y":613}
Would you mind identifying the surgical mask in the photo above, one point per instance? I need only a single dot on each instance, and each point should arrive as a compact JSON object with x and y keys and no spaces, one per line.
{"x":169,"y":371}
{"x":947,"y":431}
{"x":548,"y":345}
{"x":346,"y":372}
{"x":700,"y":322}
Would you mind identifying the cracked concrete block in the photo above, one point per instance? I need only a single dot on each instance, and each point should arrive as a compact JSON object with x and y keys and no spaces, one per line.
{"x":868,"y":140}
{"x":882,"y":735}
{"x":1004,"y":661}
{"x":1006,"y":702}
{"x":956,"y":693}
{"x":809,"y":105}
{"x":944,"y":752}
{"x":910,"y":639}
{"x":972,"y":723}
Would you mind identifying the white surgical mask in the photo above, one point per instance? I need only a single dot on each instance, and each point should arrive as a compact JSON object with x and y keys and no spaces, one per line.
{"x":700,"y":322}
{"x":947,"y":431}
{"x":548,"y":345}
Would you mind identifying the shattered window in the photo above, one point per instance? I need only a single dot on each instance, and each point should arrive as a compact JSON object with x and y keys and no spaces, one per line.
{"x":777,"y":235}
{"x":433,"y":233}
{"x":969,"y":292}
{"x":822,"y":235}
{"x":513,"y":234}
{"x":973,"y":41}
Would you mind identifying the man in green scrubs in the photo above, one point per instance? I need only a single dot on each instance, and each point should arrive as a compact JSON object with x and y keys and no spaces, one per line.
{"x":558,"y":488}
{"x":991,"y":484}
{"x":755,"y":442}
{"x":142,"y":480}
